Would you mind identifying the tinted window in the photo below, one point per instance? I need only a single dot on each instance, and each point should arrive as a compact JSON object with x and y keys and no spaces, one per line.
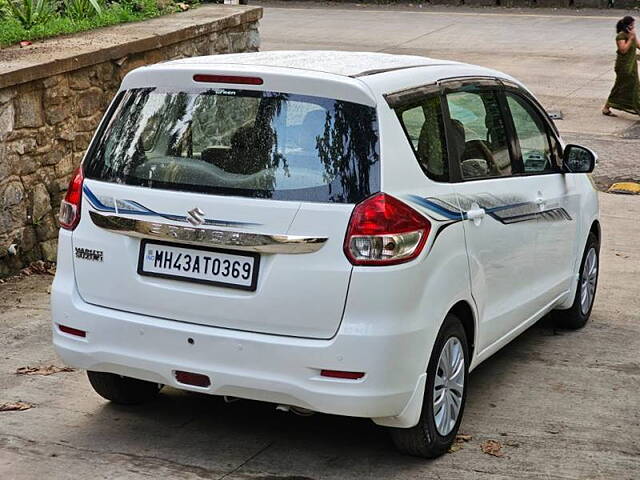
{"x":425,"y":128}
{"x":244,"y":143}
{"x":531,"y":135}
{"x":478,"y":137}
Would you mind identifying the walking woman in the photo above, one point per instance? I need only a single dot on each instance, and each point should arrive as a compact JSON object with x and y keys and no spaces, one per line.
{"x":625,"y":94}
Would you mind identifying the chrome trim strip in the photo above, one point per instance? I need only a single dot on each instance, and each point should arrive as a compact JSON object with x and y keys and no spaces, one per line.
{"x":131,"y":207}
{"x":252,"y":242}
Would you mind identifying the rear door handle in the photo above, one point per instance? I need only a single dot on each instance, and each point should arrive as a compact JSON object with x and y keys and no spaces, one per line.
{"x":476,"y":214}
{"x":540,"y":201}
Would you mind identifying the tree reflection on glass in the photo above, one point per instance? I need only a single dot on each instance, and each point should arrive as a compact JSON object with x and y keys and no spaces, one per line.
{"x":235,"y":142}
{"x":348,"y":150}
{"x":123,"y":150}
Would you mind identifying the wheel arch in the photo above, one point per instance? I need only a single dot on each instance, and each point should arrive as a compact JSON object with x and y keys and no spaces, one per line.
{"x":410,"y":416}
{"x":596,"y":230}
{"x":464,"y":311}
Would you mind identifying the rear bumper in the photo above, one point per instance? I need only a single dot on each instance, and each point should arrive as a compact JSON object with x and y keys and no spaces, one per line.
{"x":261,"y":367}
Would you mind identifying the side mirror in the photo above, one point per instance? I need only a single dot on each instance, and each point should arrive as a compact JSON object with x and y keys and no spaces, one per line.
{"x":577,"y":159}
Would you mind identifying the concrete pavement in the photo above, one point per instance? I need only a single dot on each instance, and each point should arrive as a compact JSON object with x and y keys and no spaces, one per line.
{"x":564,"y":405}
{"x":567,"y":60}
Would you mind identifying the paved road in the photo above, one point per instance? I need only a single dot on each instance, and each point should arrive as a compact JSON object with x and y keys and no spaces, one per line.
{"x":566,"y":59}
{"x":564,"y":405}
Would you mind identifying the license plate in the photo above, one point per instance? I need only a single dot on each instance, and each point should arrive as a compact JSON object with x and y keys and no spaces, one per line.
{"x":199,"y":264}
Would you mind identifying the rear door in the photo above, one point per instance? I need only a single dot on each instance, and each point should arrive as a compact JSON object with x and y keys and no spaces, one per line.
{"x":498,"y":205}
{"x":259,"y":186}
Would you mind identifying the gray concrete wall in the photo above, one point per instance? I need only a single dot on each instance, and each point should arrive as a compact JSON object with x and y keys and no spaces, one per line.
{"x":50,"y":107}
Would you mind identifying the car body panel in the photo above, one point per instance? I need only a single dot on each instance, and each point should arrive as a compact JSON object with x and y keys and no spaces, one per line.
{"x":316,"y":311}
{"x":114,"y":282}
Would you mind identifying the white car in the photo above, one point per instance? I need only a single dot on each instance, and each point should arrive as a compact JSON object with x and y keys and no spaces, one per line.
{"x":338,"y":232}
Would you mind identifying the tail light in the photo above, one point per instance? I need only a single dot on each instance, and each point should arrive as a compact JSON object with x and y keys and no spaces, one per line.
{"x":69,"y":215}
{"x":385,"y":231}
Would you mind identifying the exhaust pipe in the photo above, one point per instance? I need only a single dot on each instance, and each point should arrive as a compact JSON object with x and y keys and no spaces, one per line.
{"x":301,"y":412}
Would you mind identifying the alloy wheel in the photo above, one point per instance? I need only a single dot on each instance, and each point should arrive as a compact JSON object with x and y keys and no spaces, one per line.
{"x":448,"y":387}
{"x":588,"y":281}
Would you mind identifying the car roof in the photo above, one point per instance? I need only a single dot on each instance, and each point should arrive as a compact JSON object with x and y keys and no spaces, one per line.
{"x":360,"y":77}
{"x":350,"y":64}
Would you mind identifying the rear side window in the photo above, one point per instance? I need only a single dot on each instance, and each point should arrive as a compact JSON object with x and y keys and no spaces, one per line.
{"x":424,"y":126}
{"x":243,"y":143}
{"x":478,"y":136}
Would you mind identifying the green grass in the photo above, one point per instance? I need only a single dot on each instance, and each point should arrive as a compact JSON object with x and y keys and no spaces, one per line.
{"x":11,"y":31}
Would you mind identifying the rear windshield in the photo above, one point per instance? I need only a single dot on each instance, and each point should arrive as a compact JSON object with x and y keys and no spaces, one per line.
{"x":239,"y":142}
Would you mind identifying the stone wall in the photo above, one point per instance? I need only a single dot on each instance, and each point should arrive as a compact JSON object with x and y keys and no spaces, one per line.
{"x":47,"y":123}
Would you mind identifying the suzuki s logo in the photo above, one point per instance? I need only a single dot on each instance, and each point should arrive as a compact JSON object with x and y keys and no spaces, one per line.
{"x":195,"y":216}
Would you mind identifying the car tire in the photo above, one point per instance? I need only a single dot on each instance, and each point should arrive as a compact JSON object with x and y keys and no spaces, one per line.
{"x":577,"y":316}
{"x":123,"y":390}
{"x":425,"y":439}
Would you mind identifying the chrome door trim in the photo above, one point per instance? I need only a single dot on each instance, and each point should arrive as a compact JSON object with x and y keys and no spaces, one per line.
{"x":252,"y":242}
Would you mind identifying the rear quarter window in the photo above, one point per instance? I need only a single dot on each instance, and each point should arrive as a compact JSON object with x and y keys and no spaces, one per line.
{"x":424,"y":126}
{"x":243,"y":143}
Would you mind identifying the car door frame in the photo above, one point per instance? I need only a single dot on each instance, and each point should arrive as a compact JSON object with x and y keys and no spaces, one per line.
{"x":530,"y":312}
{"x":558,"y":181}
{"x":500,"y":86}
{"x":550,"y":128}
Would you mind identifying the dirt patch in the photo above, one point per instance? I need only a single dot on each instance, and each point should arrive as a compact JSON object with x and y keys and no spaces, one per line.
{"x":36,"y":268}
{"x":45,"y":370}
{"x":492,"y":447}
{"x":15,"y":406}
